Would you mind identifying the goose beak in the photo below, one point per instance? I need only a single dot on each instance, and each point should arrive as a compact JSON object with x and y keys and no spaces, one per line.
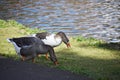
{"x":68,"y":45}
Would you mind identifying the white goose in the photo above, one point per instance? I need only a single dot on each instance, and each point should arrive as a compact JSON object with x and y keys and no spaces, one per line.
{"x":53,"y":40}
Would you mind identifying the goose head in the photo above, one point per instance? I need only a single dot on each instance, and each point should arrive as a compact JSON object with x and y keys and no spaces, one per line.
{"x":64,"y":38}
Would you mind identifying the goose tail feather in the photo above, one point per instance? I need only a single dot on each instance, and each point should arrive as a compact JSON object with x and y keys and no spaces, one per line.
{"x":9,"y":40}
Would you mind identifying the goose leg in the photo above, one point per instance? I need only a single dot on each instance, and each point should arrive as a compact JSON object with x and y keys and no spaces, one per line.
{"x":31,"y":57}
{"x":33,"y":60}
{"x":23,"y":58}
{"x":53,"y":56}
{"x":46,"y":55}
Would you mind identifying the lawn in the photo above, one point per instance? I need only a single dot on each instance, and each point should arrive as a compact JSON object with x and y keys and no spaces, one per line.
{"x":87,"y":56}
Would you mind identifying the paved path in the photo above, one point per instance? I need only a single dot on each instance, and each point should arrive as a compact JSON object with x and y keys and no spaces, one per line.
{"x":18,"y":70}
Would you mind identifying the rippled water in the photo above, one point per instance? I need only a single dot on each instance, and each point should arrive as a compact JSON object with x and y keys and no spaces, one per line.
{"x":89,"y":18}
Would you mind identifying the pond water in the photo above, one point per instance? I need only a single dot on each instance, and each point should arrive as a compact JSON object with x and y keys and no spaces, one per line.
{"x":90,"y":18}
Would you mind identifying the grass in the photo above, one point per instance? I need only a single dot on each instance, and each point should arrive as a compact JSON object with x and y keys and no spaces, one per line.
{"x":10,"y":29}
{"x":87,"y":56}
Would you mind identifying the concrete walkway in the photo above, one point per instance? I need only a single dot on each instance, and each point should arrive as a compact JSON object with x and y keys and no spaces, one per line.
{"x":18,"y":70}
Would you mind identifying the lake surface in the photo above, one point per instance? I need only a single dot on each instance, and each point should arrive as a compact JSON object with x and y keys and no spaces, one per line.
{"x":90,"y":18}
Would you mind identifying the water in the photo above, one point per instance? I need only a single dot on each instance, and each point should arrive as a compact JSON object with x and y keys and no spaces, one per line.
{"x":90,"y":18}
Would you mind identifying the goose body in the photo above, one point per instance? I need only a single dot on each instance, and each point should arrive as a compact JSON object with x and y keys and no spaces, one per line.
{"x":34,"y":48}
{"x":53,"y":40}
{"x":21,"y":42}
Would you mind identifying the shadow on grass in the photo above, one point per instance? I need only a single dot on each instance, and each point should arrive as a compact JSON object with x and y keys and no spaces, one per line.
{"x":111,"y":46}
{"x":96,"y":68}
{"x":13,"y":56}
{"x":86,"y":42}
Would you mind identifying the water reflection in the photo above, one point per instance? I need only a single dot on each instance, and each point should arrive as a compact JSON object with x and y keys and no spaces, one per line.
{"x":96,"y":18}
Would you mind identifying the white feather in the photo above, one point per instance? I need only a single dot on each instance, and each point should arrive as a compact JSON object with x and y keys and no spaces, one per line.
{"x":15,"y":45}
{"x":32,"y":35}
{"x":16,"y":48}
{"x":8,"y":40}
{"x":52,"y":41}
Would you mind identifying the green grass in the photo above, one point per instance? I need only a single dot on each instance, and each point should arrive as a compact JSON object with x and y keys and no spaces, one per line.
{"x":10,"y":29}
{"x":87,"y":56}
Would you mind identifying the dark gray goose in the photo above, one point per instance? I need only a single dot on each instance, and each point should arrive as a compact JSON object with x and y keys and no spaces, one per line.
{"x":30,"y":47}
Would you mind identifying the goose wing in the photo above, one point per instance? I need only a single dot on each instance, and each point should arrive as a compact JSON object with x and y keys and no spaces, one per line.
{"x":42,"y":35}
{"x":23,"y":41}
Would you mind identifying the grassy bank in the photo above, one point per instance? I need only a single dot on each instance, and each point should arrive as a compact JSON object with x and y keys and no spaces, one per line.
{"x":90,"y":57}
{"x":10,"y":29}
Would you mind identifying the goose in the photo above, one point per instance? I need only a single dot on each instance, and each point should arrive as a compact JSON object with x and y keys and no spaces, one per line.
{"x":29,"y":47}
{"x":53,"y":40}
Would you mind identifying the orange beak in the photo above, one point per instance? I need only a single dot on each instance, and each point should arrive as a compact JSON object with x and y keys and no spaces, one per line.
{"x":68,"y":45}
